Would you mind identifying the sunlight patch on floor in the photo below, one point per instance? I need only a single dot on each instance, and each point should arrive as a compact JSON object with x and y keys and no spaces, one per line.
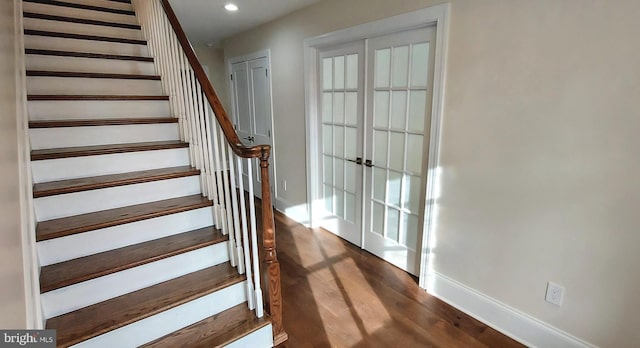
{"x":364,"y":299}
{"x":354,"y":304}
{"x":333,"y":308}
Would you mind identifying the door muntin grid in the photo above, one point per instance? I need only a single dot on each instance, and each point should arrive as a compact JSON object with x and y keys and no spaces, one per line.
{"x":339,"y":113}
{"x":399,"y":112}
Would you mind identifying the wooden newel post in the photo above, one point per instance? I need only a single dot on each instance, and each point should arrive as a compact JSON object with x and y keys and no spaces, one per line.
{"x":269,"y":246}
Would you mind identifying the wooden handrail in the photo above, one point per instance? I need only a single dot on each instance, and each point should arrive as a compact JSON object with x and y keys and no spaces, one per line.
{"x":262,"y":152}
{"x":230,"y":134}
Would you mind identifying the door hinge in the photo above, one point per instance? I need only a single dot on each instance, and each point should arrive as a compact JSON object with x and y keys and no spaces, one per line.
{"x":231,"y":77}
{"x":266,"y":72}
{"x":235,"y":126}
{"x":269,"y":133}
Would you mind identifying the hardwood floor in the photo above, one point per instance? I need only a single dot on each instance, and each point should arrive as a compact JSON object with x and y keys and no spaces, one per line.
{"x":337,"y":295}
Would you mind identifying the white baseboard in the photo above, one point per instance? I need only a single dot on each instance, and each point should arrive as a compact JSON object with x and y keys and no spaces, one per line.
{"x":510,"y":321}
{"x":298,"y":213}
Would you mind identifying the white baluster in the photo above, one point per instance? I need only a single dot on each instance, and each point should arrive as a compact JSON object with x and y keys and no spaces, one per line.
{"x":227,"y":194}
{"x":245,"y":235}
{"x":192,"y":118}
{"x":218,"y":168}
{"x":175,"y":68}
{"x":254,"y":241}
{"x":200,"y":115}
{"x":221,"y":170}
{"x":236,"y":214}
{"x":188,"y":107}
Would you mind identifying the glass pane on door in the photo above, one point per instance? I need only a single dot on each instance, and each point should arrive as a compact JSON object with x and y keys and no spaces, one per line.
{"x":397,"y":128}
{"x":339,"y":113}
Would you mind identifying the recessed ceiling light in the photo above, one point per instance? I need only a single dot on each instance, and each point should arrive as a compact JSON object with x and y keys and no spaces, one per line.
{"x":231,"y":7}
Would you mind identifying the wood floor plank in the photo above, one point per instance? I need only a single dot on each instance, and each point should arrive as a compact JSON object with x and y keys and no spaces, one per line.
{"x":216,"y":331}
{"x":89,"y":267}
{"x":104,"y":181}
{"x":338,"y":295}
{"x":87,"y":55}
{"x":92,"y":221}
{"x":102,"y":317}
{"x":66,"y":152}
{"x":42,"y":73}
{"x":100,"y":122}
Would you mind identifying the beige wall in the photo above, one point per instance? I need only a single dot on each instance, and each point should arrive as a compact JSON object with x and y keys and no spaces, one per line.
{"x":540,"y":139}
{"x":213,"y":57}
{"x":12,"y":301}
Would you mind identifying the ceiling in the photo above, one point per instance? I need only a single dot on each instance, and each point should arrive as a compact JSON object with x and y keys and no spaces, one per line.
{"x":206,"y":22}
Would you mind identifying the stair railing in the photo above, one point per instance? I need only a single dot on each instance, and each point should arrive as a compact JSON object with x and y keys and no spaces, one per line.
{"x":217,"y":151}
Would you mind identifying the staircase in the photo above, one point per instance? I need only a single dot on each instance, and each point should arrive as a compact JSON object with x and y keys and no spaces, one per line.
{"x":140,"y":243}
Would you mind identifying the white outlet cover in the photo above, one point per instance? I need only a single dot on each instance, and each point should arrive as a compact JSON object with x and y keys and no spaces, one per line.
{"x":555,"y":294}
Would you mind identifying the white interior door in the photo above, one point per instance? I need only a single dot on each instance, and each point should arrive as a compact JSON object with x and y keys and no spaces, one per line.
{"x":399,"y":94}
{"x":260,"y":88}
{"x":251,"y":90}
{"x":341,"y":126}
{"x":241,"y":107}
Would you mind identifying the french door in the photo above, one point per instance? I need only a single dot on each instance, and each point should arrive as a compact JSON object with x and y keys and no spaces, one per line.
{"x":399,"y":109}
{"x":342,"y":106}
{"x":251,"y":91}
{"x":383,"y":155}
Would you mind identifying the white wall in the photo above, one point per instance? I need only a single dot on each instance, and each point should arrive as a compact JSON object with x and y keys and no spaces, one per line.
{"x":540,"y":170}
{"x":12,"y":295}
{"x":213,"y":57}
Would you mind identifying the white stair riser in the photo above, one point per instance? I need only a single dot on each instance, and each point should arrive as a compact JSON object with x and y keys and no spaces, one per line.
{"x":73,"y":297}
{"x":89,"y":65}
{"x":48,"y":138}
{"x":103,"y":3}
{"x":83,"y":29}
{"x":78,"y":13}
{"x":88,"y":46}
{"x":79,"y":86}
{"x":97,"y":109}
{"x":262,"y":338}
{"x":77,"y":203}
{"x":86,"y":166}
{"x":83,"y":244}
{"x":174,"y":319}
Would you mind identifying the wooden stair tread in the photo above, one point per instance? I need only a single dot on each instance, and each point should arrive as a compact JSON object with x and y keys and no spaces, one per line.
{"x":97,"y":265}
{"x":215,"y":331}
{"x":84,"y":37}
{"x":66,"y":152}
{"x":94,"y":320}
{"x":80,"y":20}
{"x":100,"y":122}
{"x":87,"y":55}
{"x":58,"y":97}
{"x":113,"y":180}
{"x":112,"y":217}
{"x":43,"y":73}
{"x":83,"y":6}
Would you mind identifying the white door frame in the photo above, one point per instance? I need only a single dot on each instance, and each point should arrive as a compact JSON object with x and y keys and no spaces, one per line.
{"x":435,"y":15}
{"x":246,"y":57}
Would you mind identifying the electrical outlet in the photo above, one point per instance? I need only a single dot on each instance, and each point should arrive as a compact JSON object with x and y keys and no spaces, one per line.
{"x":555,"y":294}
{"x":284,"y":185}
